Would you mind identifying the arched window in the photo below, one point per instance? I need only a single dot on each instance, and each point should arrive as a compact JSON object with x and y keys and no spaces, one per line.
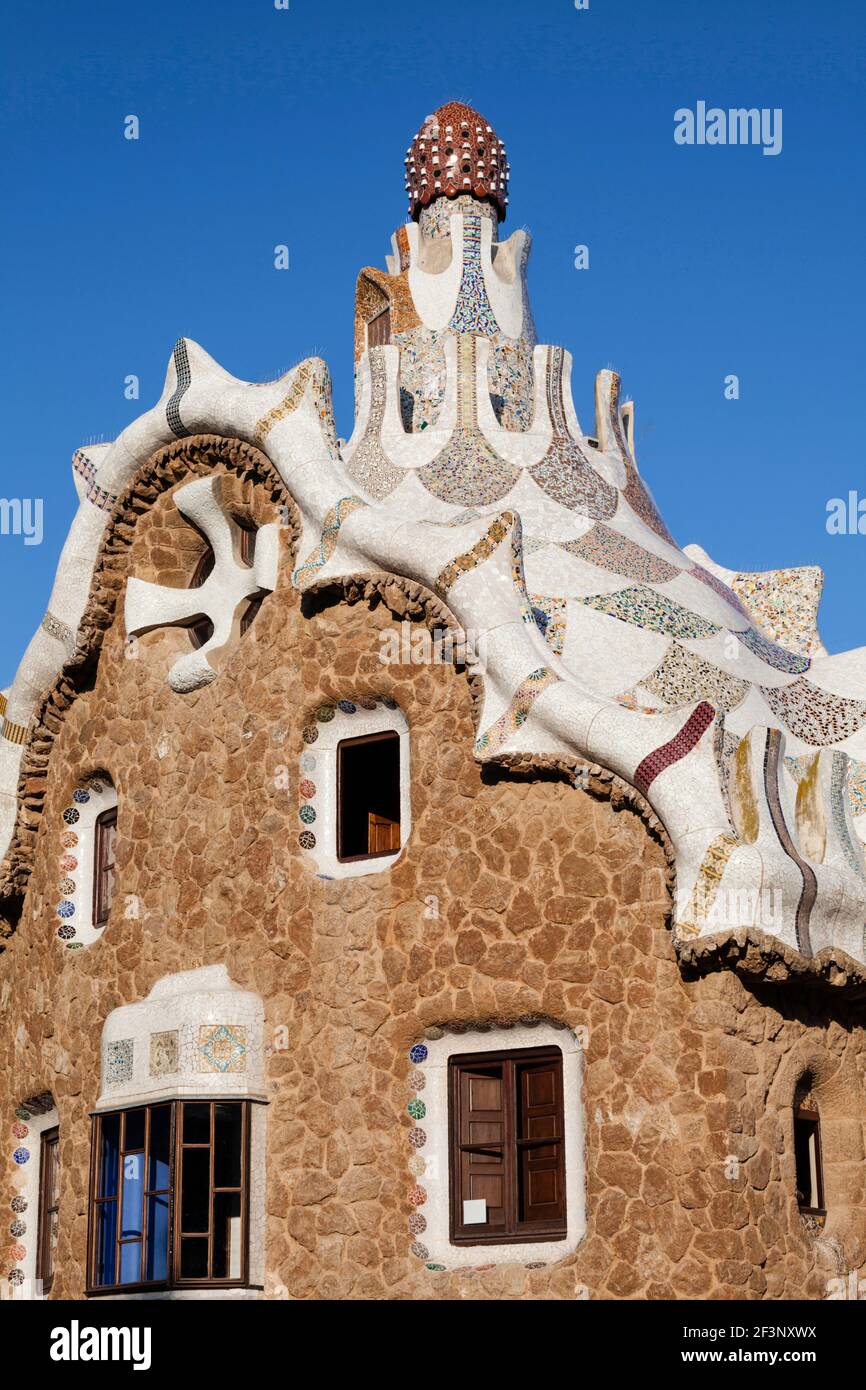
{"x":87,"y":861}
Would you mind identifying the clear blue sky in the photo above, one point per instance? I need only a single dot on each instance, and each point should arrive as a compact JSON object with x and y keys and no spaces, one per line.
{"x":261,"y":126}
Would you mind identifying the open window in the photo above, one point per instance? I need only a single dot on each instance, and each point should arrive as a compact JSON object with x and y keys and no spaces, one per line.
{"x":368,"y":796}
{"x":105,"y":836}
{"x":169,"y":1196}
{"x":507,"y":1147}
{"x":807,"y":1157}
{"x":202,"y":631}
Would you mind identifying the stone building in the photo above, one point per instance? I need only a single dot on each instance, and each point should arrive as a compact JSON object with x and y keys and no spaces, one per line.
{"x":423,"y":878}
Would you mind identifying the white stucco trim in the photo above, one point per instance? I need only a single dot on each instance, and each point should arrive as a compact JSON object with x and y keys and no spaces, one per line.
{"x":435,"y":1179}
{"x":27,"y":1185}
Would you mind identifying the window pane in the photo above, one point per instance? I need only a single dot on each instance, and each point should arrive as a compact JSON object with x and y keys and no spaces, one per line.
{"x":196,"y":1124}
{"x":133,"y":1135}
{"x":193,"y":1258}
{"x":106,"y":1232}
{"x":156,"y":1258}
{"x":130,"y":1263}
{"x":227,"y":1235}
{"x":195,"y":1198}
{"x":110,"y":1130}
{"x":131,"y":1195}
{"x":160,"y":1132}
{"x":228,"y":1127}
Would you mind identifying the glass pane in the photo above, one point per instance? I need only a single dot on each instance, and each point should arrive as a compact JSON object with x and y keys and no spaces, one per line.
{"x":195,"y":1197}
{"x":156,"y":1258}
{"x":228,"y":1128}
{"x":193,"y":1258}
{"x":130,"y":1263}
{"x":133,"y":1135}
{"x":131,"y":1195}
{"x":160,"y":1132}
{"x":196,"y":1124}
{"x":106,"y":1232}
{"x":110,"y":1127}
{"x":227,"y":1235}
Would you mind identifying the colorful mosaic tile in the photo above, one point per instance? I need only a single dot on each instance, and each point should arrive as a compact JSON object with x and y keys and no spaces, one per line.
{"x":308,"y":762}
{"x":642,"y":607}
{"x":417,"y":1195}
{"x":857,"y":786}
{"x":610,"y":550}
{"x":809,"y":891}
{"x":417,"y":1166}
{"x":419,"y":1251}
{"x":66,"y":885}
{"x":417,"y":1224}
{"x":311,"y":733}
{"x":69,"y":839}
{"x":550,"y":617}
{"x":635,"y":491}
{"x":483,"y":548}
{"x":467,"y":472}
{"x":718,"y":587}
{"x":18,"y":1204}
{"x":68,"y":863}
{"x":418,"y":1053}
{"x":307,"y":790}
{"x":325,"y":713}
{"x":71,"y":816}
{"x":222,"y":1048}
{"x":20,"y":1156}
{"x":16,"y":1277}
{"x":370,"y":466}
{"x":22,"y":1113}
{"x":307,"y":839}
{"x":473,"y":312}
{"x":164,"y":1053}
{"x":417,"y":1138}
{"x":347,"y":706}
{"x":706,"y":888}
{"x":813,"y":714}
{"x":118,"y":1061}
{"x":17,"y":1252}
{"x":66,"y":908}
{"x":838,"y":801}
{"x":20,"y":1130}
{"x":18,"y":1228}
{"x":774,"y":655}
{"x":565,"y":474}
{"x":184,"y":380}
{"x":416,"y":1081}
{"x":416,"y":1108}
{"x":307,"y":814}
{"x":784,"y":605}
{"x":517,"y":712}
{"x":681,"y":678}
{"x":66,"y":932}
{"x":81,"y":796}
{"x":306,"y":574}
{"x":675,"y":749}
{"x":436,"y":1269}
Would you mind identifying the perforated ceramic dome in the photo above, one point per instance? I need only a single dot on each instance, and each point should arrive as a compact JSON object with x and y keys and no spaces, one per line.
{"x":456,"y":152}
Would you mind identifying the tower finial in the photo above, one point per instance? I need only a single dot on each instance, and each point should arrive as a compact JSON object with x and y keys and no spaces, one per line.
{"x":456,"y":152}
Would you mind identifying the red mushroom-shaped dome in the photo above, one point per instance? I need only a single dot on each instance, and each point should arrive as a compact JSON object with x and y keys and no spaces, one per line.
{"x":456,"y":152}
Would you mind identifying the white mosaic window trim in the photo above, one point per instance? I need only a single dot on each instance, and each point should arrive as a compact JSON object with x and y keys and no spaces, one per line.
{"x":317,"y":787}
{"x":195,"y":1035}
{"x":23,"y":1209}
{"x":428,"y":1150}
{"x":74,"y":902}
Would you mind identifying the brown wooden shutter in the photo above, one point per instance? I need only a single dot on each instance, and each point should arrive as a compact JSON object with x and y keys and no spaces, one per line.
{"x":379,"y":330}
{"x":103,"y":866}
{"x":49,"y":1202}
{"x":541,"y":1168}
{"x":507,"y":1145}
{"x":482,"y":1144}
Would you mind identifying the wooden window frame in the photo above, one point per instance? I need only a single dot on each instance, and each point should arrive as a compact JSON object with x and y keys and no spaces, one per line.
{"x":514,"y":1232}
{"x":813,"y":1118}
{"x":49,"y":1144}
{"x":102,"y":904}
{"x":382,"y":736}
{"x":174,"y":1279}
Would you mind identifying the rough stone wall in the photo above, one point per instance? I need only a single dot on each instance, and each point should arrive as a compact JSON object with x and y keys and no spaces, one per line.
{"x":550,"y":902}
